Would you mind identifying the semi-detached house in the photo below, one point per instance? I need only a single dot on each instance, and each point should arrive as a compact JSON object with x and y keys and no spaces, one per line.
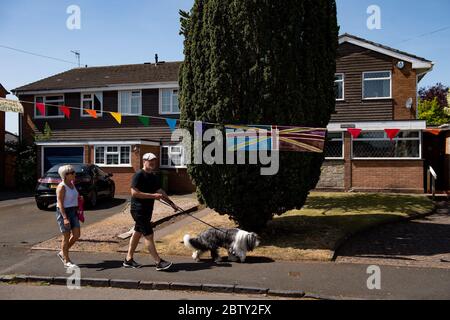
{"x":376,"y":89}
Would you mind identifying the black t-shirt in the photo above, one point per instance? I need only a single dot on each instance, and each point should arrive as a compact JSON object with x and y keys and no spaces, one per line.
{"x":146,"y":183}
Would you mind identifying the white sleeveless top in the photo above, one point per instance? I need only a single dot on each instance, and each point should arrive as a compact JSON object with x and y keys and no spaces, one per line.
{"x":71,"y":196}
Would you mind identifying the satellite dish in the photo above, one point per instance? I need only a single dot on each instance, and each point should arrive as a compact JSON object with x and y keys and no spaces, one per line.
{"x":409,"y":103}
{"x":400,"y":64}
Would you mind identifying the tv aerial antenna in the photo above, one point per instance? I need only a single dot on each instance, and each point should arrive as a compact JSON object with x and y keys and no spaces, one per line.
{"x":78,"y":55}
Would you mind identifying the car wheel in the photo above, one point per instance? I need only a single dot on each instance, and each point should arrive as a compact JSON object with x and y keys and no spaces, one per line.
{"x":93,"y":199}
{"x":42,"y":206}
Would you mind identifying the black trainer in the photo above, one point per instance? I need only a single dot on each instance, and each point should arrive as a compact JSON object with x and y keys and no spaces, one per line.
{"x":131,"y":264}
{"x":163,"y":265}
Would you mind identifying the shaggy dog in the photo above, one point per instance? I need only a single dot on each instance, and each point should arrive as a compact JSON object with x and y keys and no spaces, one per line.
{"x":237,"y":242}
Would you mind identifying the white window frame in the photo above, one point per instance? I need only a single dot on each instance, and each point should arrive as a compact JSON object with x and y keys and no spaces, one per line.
{"x":377,"y":79}
{"x":183,"y":157}
{"x":343,"y":147}
{"x":131,"y":97}
{"x":105,"y":153}
{"x":343,"y":85}
{"x":171,"y":101}
{"x":92,"y":99}
{"x":386,"y":138}
{"x":44,"y":101}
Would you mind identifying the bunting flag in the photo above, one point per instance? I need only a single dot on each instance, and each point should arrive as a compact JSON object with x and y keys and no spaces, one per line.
{"x":117,"y":116}
{"x":392,"y":133}
{"x":294,"y":139}
{"x":41,"y":108}
{"x":144,"y":120}
{"x":172,"y":123}
{"x":355,"y":133}
{"x":66,"y":111}
{"x":435,"y":132}
{"x":92,"y":113}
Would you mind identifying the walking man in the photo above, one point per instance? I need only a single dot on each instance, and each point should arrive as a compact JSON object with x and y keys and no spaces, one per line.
{"x":145,"y":189}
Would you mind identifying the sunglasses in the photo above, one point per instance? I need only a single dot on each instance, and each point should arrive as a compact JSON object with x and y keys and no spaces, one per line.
{"x":71,"y":172}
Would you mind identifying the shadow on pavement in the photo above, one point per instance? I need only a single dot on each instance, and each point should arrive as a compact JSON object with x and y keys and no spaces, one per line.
{"x":105,"y":265}
{"x":8,"y":195}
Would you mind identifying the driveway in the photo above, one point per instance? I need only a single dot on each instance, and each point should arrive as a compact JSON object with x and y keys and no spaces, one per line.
{"x":419,"y":243}
{"x":24,"y":225}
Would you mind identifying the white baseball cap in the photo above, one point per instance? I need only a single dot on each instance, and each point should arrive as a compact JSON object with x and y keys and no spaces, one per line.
{"x":149,"y":157}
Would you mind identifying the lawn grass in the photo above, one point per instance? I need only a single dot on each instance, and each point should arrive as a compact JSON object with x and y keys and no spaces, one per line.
{"x":313,"y":232}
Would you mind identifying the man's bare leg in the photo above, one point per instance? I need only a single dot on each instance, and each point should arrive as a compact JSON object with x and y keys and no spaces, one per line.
{"x":150,"y":244}
{"x":134,"y":242}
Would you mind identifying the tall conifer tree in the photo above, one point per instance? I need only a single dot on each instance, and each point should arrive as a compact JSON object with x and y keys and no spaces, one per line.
{"x":259,"y":62}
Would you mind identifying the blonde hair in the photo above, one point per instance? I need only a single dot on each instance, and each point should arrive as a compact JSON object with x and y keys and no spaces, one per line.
{"x":63,"y":170}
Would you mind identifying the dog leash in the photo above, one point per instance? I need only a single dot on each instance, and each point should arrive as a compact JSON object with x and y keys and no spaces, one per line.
{"x":181,"y":210}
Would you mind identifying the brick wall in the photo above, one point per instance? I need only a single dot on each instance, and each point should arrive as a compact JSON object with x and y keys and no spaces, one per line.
{"x":386,"y":175}
{"x":404,"y":86}
{"x":180,"y":182}
{"x":10,"y":171}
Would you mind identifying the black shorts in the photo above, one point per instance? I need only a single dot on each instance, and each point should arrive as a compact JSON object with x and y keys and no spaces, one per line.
{"x":143,"y":222}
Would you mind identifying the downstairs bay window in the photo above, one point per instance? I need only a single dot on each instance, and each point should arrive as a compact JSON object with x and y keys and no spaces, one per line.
{"x":113,"y":156}
{"x":377,"y":145}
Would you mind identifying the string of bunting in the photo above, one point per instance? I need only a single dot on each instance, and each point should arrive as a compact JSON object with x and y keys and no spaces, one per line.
{"x":268,"y":137}
{"x":283,"y":138}
{"x":391,"y":133}
{"x":145,"y":120}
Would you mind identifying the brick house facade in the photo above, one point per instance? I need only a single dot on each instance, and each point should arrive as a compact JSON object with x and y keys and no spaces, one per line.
{"x":377,"y":90}
{"x":376,"y":82}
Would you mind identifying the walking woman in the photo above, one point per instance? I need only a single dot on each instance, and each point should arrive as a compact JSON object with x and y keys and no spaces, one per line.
{"x":66,"y":213}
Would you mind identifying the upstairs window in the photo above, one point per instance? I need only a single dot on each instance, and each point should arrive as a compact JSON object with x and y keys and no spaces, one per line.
{"x":169,"y":101}
{"x":130,"y":102}
{"x":377,"y":85}
{"x":52,"y":104}
{"x":339,"y":86}
{"x":92,"y":101}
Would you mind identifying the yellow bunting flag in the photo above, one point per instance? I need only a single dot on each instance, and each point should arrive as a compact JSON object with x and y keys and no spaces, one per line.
{"x":117,"y":116}
{"x":92,"y":113}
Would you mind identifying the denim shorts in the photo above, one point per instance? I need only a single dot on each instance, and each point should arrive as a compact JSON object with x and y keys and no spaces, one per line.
{"x":71,"y":216}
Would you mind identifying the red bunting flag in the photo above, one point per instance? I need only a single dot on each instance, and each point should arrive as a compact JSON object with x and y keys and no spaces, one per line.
{"x":41,"y":108}
{"x":355,"y":132}
{"x":65,"y":110}
{"x":92,"y":113}
{"x":392,"y":133}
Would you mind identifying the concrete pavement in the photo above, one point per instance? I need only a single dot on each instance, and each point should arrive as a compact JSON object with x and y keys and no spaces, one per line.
{"x":259,"y":275}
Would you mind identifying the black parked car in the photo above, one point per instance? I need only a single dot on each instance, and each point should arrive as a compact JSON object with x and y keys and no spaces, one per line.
{"x":91,"y":182}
